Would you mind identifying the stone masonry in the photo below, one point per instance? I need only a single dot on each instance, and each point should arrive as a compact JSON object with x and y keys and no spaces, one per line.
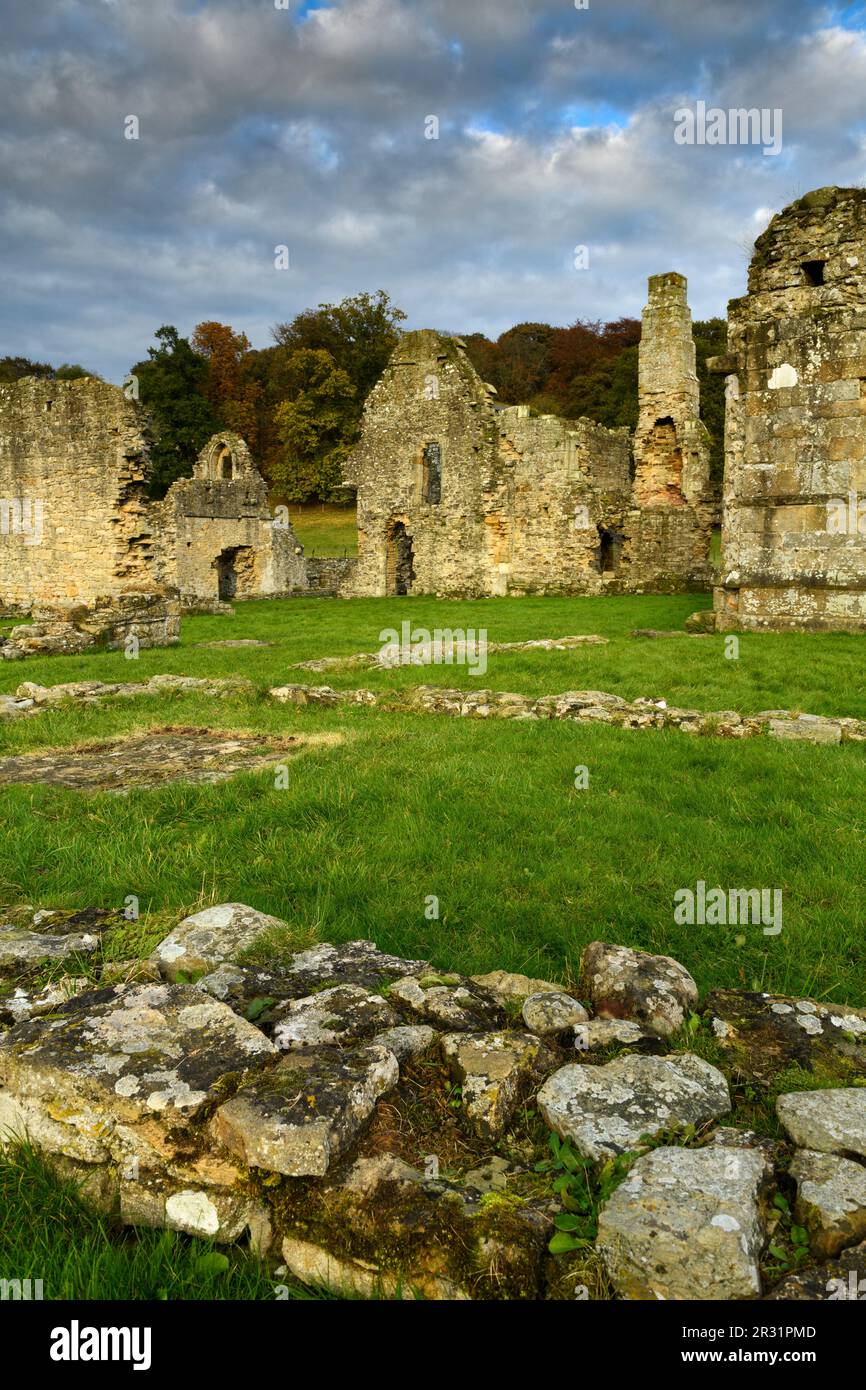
{"x":459,"y":496}
{"x":671,"y":519}
{"x":386,"y":1128}
{"x":219,"y":539}
{"x":794,"y":526}
{"x":89,"y":557}
{"x":77,"y":550}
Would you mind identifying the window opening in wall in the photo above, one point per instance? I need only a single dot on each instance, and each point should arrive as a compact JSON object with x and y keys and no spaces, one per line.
{"x":813,"y":272}
{"x":431,"y":482}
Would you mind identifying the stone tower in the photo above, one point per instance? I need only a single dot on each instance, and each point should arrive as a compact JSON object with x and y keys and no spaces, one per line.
{"x":669,"y":535}
{"x":794,"y":529}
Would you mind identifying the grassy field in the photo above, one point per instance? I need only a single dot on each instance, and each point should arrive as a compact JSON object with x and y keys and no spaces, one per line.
{"x":483,"y":816}
{"x":324,"y":529}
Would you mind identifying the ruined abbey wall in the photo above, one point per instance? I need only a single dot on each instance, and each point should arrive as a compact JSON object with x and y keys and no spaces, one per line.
{"x":217,"y":534}
{"x":460,"y":497}
{"x":86,"y":552}
{"x":668,"y":540}
{"x":794,"y":525}
{"x":74,"y":521}
{"x":532,"y":505}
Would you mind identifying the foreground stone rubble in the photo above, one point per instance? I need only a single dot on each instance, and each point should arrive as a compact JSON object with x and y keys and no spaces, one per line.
{"x":372,"y":1124}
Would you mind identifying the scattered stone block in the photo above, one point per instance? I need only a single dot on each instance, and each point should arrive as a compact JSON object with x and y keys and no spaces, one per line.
{"x":506,"y":986}
{"x":831,"y":1121}
{"x":607,"y":1110}
{"x":331,"y":1018}
{"x":495,"y":1071}
{"x":598,"y":1033}
{"x":307,"y":1111}
{"x":447,"y":1002}
{"x":686,"y":1224}
{"x":653,"y":990}
{"x":406,"y":1041}
{"x":831,"y":1200}
{"x":119,"y":1075}
{"x":551,"y":1013}
{"x":765,"y":1034}
{"x":212,"y":937}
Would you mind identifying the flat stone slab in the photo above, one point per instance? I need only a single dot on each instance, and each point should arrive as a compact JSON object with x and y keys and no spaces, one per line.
{"x":551,"y":1012}
{"x":447,"y":1002}
{"x":495,"y":1071}
{"x":764,"y":1034}
{"x":22,"y":952}
{"x":599,"y":1033}
{"x":653,"y":990}
{"x":831,"y":1200}
{"x":505,"y":985}
{"x":334,"y":1017}
{"x":352,"y":963}
{"x":230,"y":642}
{"x":210,"y":938}
{"x":831,"y":1121}
{"x":686,"y":1224}
{"x":811,"y":728}
{"x":407,"y":1040}
{"x":151,"y":759}
{"x":110,"y":1075}
{"x":304,"y":1113}
{"x":607,"y":1110}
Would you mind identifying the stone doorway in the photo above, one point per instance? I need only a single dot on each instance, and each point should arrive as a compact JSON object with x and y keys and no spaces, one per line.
{"x":400,"y":564}
{"x":609,"y":550}
{"x":235,"y":569}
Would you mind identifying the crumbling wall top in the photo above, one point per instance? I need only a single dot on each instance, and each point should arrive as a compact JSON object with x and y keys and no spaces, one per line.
{"x":815,"y":249}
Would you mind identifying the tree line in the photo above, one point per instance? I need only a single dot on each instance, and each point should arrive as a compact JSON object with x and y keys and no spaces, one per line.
{"x":298,"y":403}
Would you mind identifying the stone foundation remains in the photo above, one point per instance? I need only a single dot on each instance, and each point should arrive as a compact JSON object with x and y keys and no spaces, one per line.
{"x":383,"y":1128}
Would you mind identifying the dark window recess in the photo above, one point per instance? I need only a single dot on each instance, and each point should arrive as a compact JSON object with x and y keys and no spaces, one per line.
{"x":813,"y":272}
{"x":431,"y":487}
{"x":610,"y":545}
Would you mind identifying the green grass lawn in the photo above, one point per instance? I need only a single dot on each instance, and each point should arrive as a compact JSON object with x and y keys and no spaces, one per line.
{"x":483,"y":816}
{"x":324,"y":529}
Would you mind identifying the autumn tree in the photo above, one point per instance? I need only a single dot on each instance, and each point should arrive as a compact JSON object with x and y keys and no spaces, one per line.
{"x":231,"y":393}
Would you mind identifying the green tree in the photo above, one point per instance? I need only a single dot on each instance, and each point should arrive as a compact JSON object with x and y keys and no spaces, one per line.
{"x":171,"y":385}
{"x":360,"y":333}
{"x":71,"y":371}
{"x":14,"y":368}
{"x":315,"y":427}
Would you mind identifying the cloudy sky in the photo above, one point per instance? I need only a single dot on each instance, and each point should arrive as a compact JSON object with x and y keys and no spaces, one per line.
{"x":305,"y":124}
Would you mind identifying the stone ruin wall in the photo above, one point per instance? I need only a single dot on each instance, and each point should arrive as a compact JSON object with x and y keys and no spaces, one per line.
{"x":521,"y":498}
{"x":533,"y":505}
{"x":428,"y":393}
{"x":74,"y":454}
{"x":88,"y":556}
{"x":794,"y":544}
{"x":564,"y":483}
{"x":218,"y":537}
{"x":669,"y":527}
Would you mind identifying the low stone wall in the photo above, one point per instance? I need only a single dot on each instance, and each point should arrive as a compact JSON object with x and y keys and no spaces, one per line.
{"x":583,"y":706}
{"x":149,"y":619}
{"x":328,"y":575}
{"x":385,"y":1128}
